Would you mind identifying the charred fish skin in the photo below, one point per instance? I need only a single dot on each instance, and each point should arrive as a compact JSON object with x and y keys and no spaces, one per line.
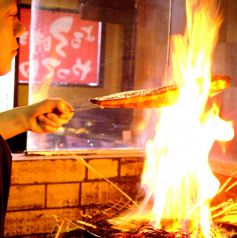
{"x":154,"y":97}
{"x":140,"y":99}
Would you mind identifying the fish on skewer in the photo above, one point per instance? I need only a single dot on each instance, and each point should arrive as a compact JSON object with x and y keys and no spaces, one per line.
{"x":150,"y":98}
{"x":139,"y":99}
{"x":155,"y":97}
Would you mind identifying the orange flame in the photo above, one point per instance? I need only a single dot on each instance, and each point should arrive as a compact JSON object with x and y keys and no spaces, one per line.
{"x":177,"y":178}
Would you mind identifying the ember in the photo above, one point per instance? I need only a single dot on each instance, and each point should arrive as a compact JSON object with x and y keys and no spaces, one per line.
{"x":97,"y":225}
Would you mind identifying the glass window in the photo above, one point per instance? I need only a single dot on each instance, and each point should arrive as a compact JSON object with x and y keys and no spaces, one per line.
{"x":86,"y":49}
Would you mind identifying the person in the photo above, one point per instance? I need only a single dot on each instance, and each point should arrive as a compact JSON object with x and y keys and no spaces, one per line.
{"x":42,"y":117}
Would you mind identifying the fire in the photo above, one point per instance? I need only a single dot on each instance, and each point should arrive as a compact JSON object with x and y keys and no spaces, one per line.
{"x":178,"y":181}
{"x":177,"y":176}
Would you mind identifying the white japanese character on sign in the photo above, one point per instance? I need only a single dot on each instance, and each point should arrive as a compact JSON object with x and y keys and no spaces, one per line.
{"x":76,"y":42}
{"x":62,"y":24}
{"x":63,"y":73}
{"x":88,"y":31}
{"x":50,"y":64}
{"x":42,"y":42}
{"x":24,"y":38}
{"x":24,"y":69}
{"x":81,"y":69}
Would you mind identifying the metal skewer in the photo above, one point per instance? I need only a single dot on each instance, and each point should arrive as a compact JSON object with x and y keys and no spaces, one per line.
{"x":85,"y":108}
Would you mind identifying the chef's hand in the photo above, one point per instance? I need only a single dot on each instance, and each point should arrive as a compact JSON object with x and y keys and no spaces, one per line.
{"x":49,"y":115}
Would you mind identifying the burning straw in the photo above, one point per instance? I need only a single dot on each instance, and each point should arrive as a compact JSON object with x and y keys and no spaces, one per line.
{"x":99,"y":224}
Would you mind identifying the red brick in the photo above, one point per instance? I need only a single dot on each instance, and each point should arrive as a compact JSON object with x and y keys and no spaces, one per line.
{"x":26,"y":197}
{"x":47,"y":170}
{"x":131,"y":166}
{"x":62,"y":195}
{"x":38,"y":221}
{"x":108,"y":168}
{"x":102,"y":192}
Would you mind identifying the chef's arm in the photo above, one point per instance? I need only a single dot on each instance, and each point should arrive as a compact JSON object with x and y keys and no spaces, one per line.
{"x":42,"y":117}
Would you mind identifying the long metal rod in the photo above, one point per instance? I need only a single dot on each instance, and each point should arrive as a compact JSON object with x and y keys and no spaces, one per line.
{"x":85,"y":108}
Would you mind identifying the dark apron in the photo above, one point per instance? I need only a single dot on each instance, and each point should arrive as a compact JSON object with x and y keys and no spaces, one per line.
{"x":5,"y":180}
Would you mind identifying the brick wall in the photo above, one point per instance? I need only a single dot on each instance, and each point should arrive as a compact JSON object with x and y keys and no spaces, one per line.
{"x":44,"y":186}
{"x":64,"y":186}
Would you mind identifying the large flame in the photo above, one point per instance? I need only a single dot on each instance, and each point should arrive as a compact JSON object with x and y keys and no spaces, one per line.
{"x":176,"y":175}
{"x":178,"y":181}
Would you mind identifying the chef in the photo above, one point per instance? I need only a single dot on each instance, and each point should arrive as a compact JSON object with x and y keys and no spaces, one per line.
{"x":42,"y":117}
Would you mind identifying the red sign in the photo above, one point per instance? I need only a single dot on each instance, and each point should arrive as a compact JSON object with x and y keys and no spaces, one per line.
{"x":65,"y":48}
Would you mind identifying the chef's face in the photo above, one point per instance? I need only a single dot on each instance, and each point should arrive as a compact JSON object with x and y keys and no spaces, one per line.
{"x":10,"y":30}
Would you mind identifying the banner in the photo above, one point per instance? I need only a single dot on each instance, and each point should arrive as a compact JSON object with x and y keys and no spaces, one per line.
{"x":66,"y":49}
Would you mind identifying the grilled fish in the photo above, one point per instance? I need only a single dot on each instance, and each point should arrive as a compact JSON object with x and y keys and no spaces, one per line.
{"x":155,"y":97}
